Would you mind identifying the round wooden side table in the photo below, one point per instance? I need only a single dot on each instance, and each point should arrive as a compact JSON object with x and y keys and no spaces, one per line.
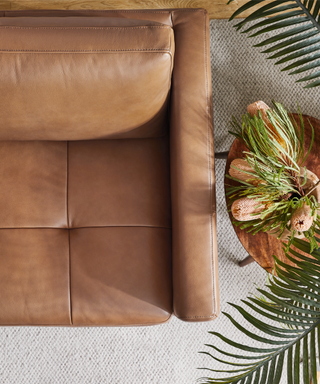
{"x":262,"y":246}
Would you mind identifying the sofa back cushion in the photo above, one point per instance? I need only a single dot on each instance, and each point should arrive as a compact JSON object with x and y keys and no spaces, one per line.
{"x":83,"y":78}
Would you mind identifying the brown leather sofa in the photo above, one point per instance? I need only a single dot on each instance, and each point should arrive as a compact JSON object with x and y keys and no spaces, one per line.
{"x":107,"y":194}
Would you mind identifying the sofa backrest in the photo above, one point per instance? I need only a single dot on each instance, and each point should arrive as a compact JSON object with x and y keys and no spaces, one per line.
{"x":84,"y":78}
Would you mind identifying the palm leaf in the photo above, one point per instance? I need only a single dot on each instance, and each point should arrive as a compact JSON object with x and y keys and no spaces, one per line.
{"x":301,"y":40}
{"x":292,"y":300}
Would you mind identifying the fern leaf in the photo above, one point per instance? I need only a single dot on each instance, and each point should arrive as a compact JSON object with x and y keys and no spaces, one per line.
{"x":292,"y":301}
{"x":298,"y":41}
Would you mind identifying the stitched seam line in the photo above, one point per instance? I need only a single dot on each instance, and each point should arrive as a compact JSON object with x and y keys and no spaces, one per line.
{"x":67,"y":186}
{"x":159,"y":50}
{"x":128,"y":27}
{"x":210,"y":165}
{"x":97,"y":226}
{"x":89,"y":10}
{"x":123,"y":226}
{"x":70,"y":299}
{"x":171,"y":66}
{"x":67,"y":198}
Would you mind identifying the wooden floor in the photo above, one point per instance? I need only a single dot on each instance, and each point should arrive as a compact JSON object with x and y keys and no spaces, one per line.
{"x":218,"y":9}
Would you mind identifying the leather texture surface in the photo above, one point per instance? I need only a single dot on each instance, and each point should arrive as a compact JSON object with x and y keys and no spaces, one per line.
{"x":34,"y":277}
{"x":163,"y":16}
{"x":119,"y":183}
{"x":120,"y":275}
{"x":195,"y":262}
{"x":82,"y":72}
{"x":109,"y":231}
{"x":33,"y":187}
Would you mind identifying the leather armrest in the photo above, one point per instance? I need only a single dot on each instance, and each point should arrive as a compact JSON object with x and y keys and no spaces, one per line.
{"x":195,"y":277}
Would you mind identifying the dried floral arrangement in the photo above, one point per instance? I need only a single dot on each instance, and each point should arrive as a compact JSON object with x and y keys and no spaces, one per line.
{"x":274,"y":192}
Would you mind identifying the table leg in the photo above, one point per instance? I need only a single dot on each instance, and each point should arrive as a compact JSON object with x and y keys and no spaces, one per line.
{"x":248,"y":260}
{"x":221,"y":155}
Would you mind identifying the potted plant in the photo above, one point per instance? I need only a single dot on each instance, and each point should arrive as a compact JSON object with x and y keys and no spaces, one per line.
{"x":275,"y":192}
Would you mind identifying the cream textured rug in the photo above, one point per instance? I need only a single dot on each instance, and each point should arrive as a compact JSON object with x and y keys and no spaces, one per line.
{"x":164,"y":354}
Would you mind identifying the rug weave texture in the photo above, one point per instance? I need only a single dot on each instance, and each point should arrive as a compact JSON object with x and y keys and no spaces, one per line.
{"x":166,"y":354}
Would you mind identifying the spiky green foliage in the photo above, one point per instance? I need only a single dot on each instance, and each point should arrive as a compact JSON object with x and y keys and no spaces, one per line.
{"x":292,"y":301}
{"x":301,"y":41}
{"x":275,"y":155}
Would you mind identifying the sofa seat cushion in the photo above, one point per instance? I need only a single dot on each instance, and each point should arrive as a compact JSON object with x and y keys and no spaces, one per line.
{"x":119,"y":183}
{"x":33,"y":178}
{"x":120,"y":275}
{"x":84,"y":78}
{"x":34,"y":278}
{"x":85,"y":238}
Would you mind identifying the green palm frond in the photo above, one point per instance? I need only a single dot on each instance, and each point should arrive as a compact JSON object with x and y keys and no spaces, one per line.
{"x":302,"y":40}
{"x":292,"y":300}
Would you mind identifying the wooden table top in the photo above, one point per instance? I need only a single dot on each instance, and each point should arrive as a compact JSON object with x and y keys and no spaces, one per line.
{"x":262,"y":246}
{"x":217,"y":9}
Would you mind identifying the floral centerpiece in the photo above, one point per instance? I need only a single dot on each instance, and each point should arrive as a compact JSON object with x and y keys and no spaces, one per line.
{"x":275,"y":193}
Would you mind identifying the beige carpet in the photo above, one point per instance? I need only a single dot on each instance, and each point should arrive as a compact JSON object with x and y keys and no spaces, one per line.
{"x":164,"y":354}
